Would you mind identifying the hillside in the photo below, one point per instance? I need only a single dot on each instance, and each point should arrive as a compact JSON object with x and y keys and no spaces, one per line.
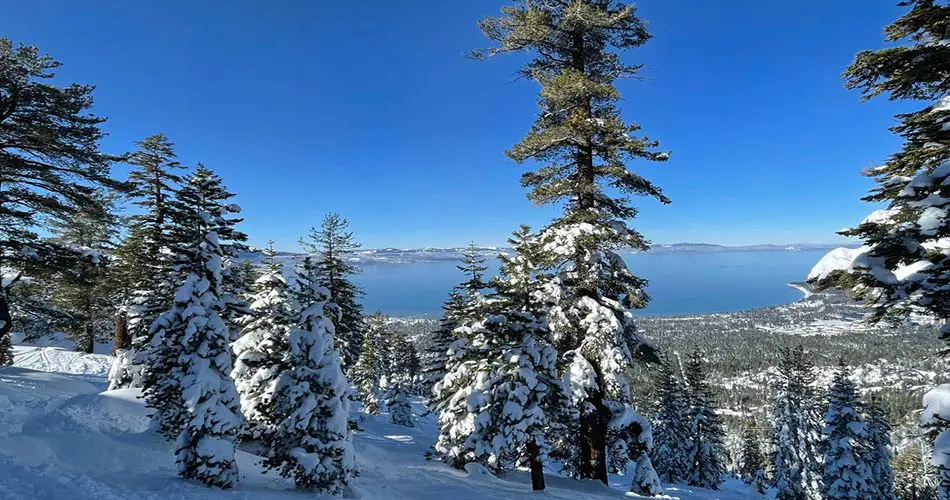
{"x":63,"y":438}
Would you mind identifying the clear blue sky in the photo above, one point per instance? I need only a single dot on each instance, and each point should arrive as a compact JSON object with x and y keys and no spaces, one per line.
{"x":371,"y":109}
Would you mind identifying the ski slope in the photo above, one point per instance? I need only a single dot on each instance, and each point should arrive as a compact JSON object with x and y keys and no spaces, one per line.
{"x":63,"y":438}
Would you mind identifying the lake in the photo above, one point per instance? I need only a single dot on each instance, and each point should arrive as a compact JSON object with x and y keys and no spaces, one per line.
{"x":680,"y":283}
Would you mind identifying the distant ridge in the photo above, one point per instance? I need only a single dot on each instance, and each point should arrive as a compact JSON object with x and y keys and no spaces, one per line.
{"x":437,"y":254}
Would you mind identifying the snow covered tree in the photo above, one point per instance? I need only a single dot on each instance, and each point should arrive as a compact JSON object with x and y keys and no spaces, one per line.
{"x":906,"y":263}
{"x":261,"y":350}
{"x":879,"y":452}
{"x":584,"y":145}
{"x":752,"y":461}
{"x":502,"y":382}
{"x":402,"y":370}
{"x":312,"y":441}
{"x":333,"y":246}
{"x":473,"y":266}
{"x":188,"y":368}
{"x":436,"y":353}
{"x":935,"y":419}
{"x":705,"y":454}
{"x":847,"y":472}
{"x":84,"y":294}
{"x":50,"y":167}
{"x":372,"y":363}
{"x":796,"y":430}
{"x":671,"y":428}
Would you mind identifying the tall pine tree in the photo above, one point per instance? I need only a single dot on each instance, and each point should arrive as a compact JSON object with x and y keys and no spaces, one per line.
{"x":373,"y":362}
{"x":879,"y":452}
{"x":847,"y":471}
{"x":584,"y":145}
{"x":188,"y":366}
{"x":796,"y":430}
{"x":50,"y":167}
{"x":707,"y":434}
{"x":671,"y":427}
{"x":333,"y":245}
{"x":752,"y":461}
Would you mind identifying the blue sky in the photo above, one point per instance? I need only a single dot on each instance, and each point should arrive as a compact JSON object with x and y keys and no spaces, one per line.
{"x":371,"y":109}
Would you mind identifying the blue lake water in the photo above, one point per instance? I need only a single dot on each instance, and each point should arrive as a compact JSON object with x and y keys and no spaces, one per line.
{"x":680,"y":283}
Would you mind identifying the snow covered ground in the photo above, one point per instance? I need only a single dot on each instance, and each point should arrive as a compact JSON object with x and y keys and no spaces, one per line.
{"x":63,"y":438}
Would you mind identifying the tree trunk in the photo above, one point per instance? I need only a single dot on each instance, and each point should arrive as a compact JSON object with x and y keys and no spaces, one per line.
{"x":537,"y":468}
{"x":6,"y":344}
{"x":121,"y":338}
{"x":88,"y":338}
{"x":593,"y":442}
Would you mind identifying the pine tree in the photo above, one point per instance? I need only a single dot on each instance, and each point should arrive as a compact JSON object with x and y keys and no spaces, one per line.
{"x":261,"y":351}
{"x":705,"y":455}
{"x":333,"y":245}
{"x":752,"y":461}
{"x":312,"y":441}
{"x":371,"y":366}
{"x":671,"y":428}
{"x":879,"y":457}
{"x":50,"y":167}
{"x":847,"y":472}
{"x":580,"y":137}
{"x":911,"y":230}
{"x":196,"y":398}
{"x":795,"y":430}
{"x":84,"y":294}
{"x":436,"y":355}
{"x":473,"y":266}
{"x":146,"y":265}
{"x":196,"y":214}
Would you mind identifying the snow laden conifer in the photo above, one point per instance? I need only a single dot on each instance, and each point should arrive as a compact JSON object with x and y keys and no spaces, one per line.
{"x":584,"y":146}
{"x":705,"y":456}
{"x":671,"y":427}
{"x":331,"y":246}
{"x":402,"y":367}
{"x":372,"y":364}
{"x":311,"y":443}
{"x":195,"y":397}
{"x":751,"y":460}
{"x":492,"y":402}
{"x":51,"y":168}
{"x":261,"y":351}
{"x":905,"y":265}
{"x":847,"y":471}
{"x":879,"y":452}
{"x":796,"y":431}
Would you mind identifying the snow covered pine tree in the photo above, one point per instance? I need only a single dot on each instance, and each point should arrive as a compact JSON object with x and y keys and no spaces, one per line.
{"x":847,"y":473}
{"x":580,"y":137}
{"x":879,"y":452}
{"x":704,"y":459}
{"x":671,"y":427}
{"x":906,"y":263}
{"x":195,"y":397}
{"x":312,"y":441}
{"x":796,"y":430}
{"x":371,"y":366}
{"x":261,"y":351}
{"x":752,"y":461}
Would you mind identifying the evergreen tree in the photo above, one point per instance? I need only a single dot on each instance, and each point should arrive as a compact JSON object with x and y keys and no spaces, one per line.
{"x":705,"y":455}
{"x":312,"y":441}
{"x":580,"y":137}
{"x":879,"y":457}
{"x":795,"y":430}
{"x":146,"y":257}
{"x":911,"y":231}
{"x":197,"y":214}
{"x":847,"y":472}
{"x":436,"y":355}
{"x":473,"y":266}
{"x":372,"y":364}
{"x":671,"y":428}
{"x":752,"y":461}
{"x":189,"y":362}
{"x":50,"y":168}
{"x":83,"y":294}
{"x":261,"y":351}
{"x":333,"y":245}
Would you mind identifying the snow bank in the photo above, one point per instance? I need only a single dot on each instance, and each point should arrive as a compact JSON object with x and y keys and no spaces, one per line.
{"x":838,"y":259}
{"x":57,"y":359}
